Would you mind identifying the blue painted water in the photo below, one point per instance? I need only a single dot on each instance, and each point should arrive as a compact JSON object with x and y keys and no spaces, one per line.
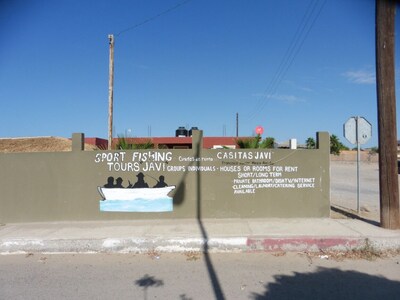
{"x":137,"y":205}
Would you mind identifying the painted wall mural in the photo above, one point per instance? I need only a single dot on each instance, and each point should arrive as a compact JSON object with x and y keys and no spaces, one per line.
{"x":245,"y":173}
{"x":165,"y":183}
{"x":137,"y":197}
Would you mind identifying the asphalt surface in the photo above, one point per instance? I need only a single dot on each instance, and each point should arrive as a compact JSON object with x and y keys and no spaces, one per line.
{"x":192,"y":275}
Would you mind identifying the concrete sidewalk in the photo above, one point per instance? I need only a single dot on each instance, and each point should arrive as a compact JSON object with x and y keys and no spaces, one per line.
{"x":191,"y":235}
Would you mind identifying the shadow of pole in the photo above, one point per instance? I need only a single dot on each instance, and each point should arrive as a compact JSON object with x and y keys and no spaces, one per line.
{"x":210,"y":268}
{"x":148,"y":281}
{"x":353,"y":215}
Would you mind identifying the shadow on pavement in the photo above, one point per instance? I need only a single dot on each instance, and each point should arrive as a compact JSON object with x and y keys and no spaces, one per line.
{"x":353,"y":215}
{"x":210,"y":268}
{"x":148,"y":281}
{"x":330,"y":284}
{"x":178,"y":199}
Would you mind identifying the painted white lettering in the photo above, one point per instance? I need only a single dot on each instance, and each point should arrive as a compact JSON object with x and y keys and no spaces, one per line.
{"x":277,"y":168}
{"x":290,"y":169}
{"x":263,"y":155}
{"x":261,"y":168}
{"x":275,"y":174}
{"x":235,"y":155}
{"x":176,"y":168}
{"x":152,"y":156}
{"x":110,"y":157}
{"x":153,"y":166}
{"x":124,"y":167}
{"x":241,"y":180}
{"x":230,"y":169}
{"x":305,"y":185}
{"x":201,"y":168}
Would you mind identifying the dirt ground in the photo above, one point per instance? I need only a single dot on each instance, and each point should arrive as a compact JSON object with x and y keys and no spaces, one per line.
{"x":38,"y":144}
{"x":344,"y":190}
{"x":59,"y":144}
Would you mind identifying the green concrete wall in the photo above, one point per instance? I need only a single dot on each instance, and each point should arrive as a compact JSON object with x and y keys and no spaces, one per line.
{"x":217,"y":183}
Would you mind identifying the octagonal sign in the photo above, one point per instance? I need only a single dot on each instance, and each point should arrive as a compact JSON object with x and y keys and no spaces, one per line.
{"x":357,"y":130}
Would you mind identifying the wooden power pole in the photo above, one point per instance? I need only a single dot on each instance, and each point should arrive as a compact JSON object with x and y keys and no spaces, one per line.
{"x":110,"y":91}
{"x":385,"y":81}
{"x":237,"y":124}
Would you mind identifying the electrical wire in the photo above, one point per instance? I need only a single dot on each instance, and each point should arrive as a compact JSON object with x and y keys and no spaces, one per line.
{"x":304,"y":28}
{"x":274,"y":83}
{"x":154,"y":17}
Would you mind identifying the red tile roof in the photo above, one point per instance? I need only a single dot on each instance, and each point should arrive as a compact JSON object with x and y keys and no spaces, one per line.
{"x":208,"y":142}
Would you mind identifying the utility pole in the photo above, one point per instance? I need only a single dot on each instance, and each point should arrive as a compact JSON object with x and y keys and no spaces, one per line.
{"x":110,"y":91}
{"x":385,"y":75}
{"x":237,"y":124}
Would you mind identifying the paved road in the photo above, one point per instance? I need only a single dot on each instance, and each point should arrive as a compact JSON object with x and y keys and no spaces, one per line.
{"x":344,"y":187}
{"x":196,"y":276}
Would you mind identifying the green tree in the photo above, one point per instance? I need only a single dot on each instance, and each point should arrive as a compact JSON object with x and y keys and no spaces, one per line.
{"x":310,"y":143}
{"x":249,"y":143}
{"x":255,"y":142}
{"x":267,"y":143}
{"x":124,"y":145}
{"x":336,"y":145}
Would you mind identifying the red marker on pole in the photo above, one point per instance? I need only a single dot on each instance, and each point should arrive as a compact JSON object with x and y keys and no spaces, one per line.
{"x":259,"y":130}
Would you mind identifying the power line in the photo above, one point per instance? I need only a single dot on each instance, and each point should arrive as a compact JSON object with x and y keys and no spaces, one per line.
{"x":111,"y":80}
{"x":274,"y":83}
{"x":302,"y":32}
{"x":154,"y":17}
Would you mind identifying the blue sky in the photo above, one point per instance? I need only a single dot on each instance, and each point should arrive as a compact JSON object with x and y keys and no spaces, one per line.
{"x":197,"y":65}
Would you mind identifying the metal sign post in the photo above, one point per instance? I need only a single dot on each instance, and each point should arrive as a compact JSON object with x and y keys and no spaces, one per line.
{"x":357,"y":130}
